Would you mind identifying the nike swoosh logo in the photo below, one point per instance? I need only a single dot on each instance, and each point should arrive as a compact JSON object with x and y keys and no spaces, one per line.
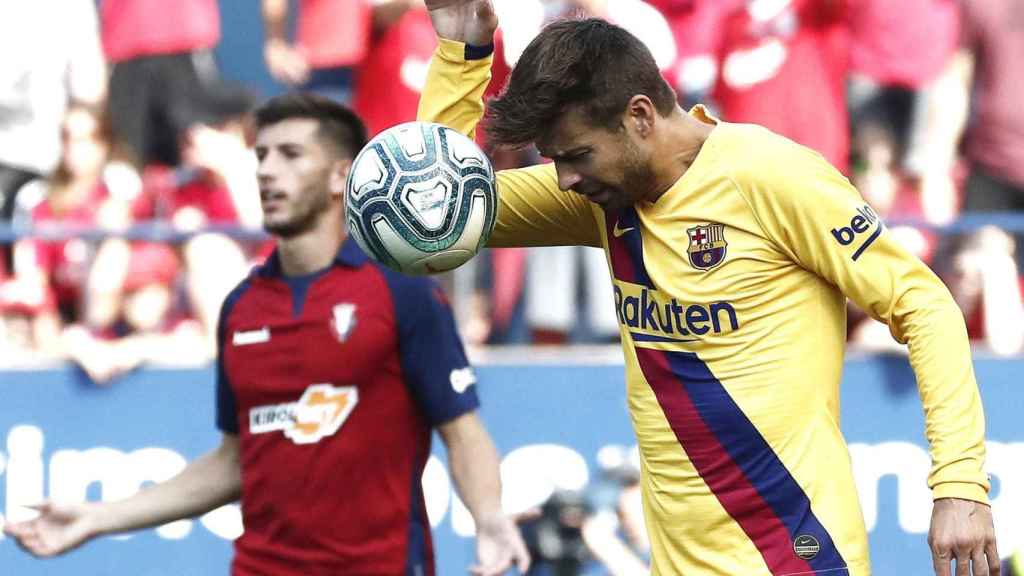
{"x":618,"y":232}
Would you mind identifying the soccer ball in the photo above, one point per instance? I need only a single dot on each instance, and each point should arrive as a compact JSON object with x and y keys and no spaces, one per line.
{"x":420,"y":198}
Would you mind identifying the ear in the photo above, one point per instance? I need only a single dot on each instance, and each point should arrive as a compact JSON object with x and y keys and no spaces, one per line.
{"x":641,"y":116}
{"x":339,"y":176}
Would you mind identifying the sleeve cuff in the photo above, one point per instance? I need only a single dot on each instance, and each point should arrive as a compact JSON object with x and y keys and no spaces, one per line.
{"x":454,"y":51}
{"x":961,"y":490}
{"x":479,"y":52}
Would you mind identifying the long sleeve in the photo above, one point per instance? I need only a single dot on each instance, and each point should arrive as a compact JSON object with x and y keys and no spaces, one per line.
{"x":532,"y":211}
{"x":820,"y":220}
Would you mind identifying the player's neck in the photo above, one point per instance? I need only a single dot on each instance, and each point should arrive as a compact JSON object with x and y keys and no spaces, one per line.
{"x":312,"y":250}
{"x":683,"y":140}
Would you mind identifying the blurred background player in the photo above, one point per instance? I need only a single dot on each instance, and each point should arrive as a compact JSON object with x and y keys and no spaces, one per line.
{"x":332,"y":373}
{"x":975,"y":106}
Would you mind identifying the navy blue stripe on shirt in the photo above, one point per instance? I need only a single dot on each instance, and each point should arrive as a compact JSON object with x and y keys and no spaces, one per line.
{"x":433,"y":360}
{"x":300,"y":287}
{"x":227,"y":407}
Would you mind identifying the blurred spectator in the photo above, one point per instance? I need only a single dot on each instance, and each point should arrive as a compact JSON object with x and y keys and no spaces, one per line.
{"x":557,"y":279}
{"x":331,"y":40}
{"x":392,"y":76}
{"x":985,"y":76}
{"x":23,"y":321}
{"x":148,"y":325}
{"x":894,"y":54}
{"x":52,"y":57}
{"x":554,"y":538}
{"x":783,"y":65}
{"x":615,"y":532}
{"x":696,"y":26}
{"x":196,"y":196}
{"x":84,"y":192}
{"x":980,"y":271}
{"x":163,"y":72}
{"x":523,"y":19}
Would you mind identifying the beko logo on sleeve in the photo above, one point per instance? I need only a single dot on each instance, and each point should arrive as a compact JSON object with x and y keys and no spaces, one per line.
{"x":865,"y":219}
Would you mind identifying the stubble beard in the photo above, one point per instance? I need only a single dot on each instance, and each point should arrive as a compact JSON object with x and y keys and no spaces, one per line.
{"x":312,"y":207}
{"x":638,"y":180}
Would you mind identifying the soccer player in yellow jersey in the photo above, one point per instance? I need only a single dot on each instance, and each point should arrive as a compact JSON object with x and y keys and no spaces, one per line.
{"x":732,"y":251}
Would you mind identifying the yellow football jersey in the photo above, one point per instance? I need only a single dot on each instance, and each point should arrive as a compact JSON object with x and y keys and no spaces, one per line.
{"x":731,"y":295}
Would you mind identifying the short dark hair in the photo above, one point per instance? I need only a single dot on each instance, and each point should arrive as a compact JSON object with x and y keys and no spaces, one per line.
{"x":590,"y":63}
{"x":338,"y":125}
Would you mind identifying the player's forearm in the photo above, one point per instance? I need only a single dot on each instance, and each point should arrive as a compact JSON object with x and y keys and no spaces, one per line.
{"x":473,"y":463}
{"x":204,"y":485}
{"x":941,"y":357}
{"x":453,"y":93}
{"x":275,"y":19}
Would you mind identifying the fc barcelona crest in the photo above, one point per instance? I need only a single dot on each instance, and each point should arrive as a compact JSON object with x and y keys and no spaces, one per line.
{"x":707,"y":246}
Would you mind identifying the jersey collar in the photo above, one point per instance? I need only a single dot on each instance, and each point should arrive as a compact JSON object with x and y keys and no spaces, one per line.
{"x":349,"y":255}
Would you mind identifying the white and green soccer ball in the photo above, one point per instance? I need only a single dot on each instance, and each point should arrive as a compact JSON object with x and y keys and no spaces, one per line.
{"x":421,"y":198}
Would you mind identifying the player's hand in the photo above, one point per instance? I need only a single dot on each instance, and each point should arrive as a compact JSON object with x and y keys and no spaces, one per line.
{"x":962,"y":531}
{"x":469,"y":21}
{"x":57,"y":529}
{"x":499,"y":547}
{"x":286,"y":64}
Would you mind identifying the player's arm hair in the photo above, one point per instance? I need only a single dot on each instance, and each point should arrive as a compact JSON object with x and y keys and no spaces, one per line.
{"x":473,"y":463}
{"x":209,"y":482}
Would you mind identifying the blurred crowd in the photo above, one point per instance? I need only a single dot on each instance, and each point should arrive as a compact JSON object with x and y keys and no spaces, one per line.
{"x":127,"y":180}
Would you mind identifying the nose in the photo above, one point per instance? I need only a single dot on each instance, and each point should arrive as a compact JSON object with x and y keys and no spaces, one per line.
{"x":567,"y":177}
{"x":265,"y":169}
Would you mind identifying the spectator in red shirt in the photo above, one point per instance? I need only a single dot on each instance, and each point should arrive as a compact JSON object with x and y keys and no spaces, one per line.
{"x":209,"y":190}
{"x":697,"y":28}
{"x":332,"y":40}
{"x":980,"y":271}
{"x":894,"y":55}
{"x":783,"y":64}
{"x":163,"y":72}
{"x":392,"y":76}
{"x":86,"y":191}
{"x":979,"y":97}
{"x":149,"y":325}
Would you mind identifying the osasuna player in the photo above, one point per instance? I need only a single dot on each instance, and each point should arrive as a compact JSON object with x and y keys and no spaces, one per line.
{"x":732,"y":252}
{"x":332,"y":372}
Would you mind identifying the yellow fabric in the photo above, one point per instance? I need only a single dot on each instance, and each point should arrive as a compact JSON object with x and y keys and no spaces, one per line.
{"x":752,"y":342}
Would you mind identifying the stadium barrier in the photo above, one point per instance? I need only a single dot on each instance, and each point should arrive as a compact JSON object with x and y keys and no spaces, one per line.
{"x":63,"y":438}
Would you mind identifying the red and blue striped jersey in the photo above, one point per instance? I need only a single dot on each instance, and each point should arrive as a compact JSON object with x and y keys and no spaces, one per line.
{"x":333,"y":383}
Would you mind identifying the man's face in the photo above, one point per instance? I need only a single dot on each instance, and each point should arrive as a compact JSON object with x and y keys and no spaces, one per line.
{"x":608,"y":167}
{"x":294,"y":176}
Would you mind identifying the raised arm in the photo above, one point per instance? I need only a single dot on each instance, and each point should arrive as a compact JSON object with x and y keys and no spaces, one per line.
{"x":532,"y":211}
{"x":286,"y":64}
{"x":207,"y":483}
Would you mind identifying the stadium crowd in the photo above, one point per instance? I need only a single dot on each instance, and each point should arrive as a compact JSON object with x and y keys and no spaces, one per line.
{"x":128,"y":188}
